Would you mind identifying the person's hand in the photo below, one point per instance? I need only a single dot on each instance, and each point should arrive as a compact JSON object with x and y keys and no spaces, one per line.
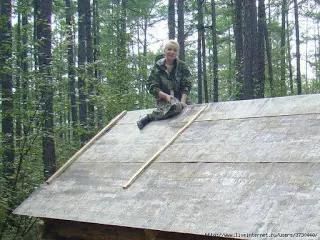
{"x":184,"y":105}
{"x":183,"y":100}
{"x":168,"y":98}
{"x":164,"y":96}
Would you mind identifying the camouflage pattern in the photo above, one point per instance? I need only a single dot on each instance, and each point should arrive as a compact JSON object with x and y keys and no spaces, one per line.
{"x":178,"y":81}
{"x":165,"y":110}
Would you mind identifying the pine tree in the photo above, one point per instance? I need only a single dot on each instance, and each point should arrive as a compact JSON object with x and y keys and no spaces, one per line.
{"x":44,"y":59}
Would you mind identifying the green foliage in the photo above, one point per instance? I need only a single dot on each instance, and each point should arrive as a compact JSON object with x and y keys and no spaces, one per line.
{"x":28,"y":176}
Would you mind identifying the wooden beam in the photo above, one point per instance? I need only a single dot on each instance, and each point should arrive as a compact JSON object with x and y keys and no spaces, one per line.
{"x":85,"y":147}
{"x":148,"y":163}
{"x":62,"y":229}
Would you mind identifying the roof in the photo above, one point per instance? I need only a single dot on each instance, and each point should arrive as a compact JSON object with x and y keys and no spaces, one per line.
{"x":242,"y":167}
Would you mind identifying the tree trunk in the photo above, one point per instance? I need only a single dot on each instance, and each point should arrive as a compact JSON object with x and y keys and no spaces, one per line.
{"x":35,"y":15}
{"x":318,"y":54}
{"x":145,"y":64}
{"x":81,"y":71}
{"x":89,"y":56}
{"x":44,"y":51}
{"x":71,"y":71}
{"x":318,"y":76}
{"x":289,"y":57}
{"x":260,"y":60}
{"x":250,"y":33}
{"x":200,"y":29}
{"x":181,"y":35}
{"x":18,"y":78}
{"x":96,"y":57}
{"x":123,"y":29}
{"x":8,"y":151}
{"x":230,"y":65}
{"x":306,"y":56}
{"x":171,"y":19}
{"x":269,"y":58}
{"x":283,"y":48}
{"x":215,"y":52}
{"x":238,"y":35}
{"x":296,"y":23}
{"x":25,"y":70}
{"x":204,"y":66}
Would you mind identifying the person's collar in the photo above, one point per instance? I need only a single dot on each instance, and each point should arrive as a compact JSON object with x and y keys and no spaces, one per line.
{"x":161,"y":62}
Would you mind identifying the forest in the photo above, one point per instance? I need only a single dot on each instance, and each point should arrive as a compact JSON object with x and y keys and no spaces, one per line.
{"x":67,"y":67}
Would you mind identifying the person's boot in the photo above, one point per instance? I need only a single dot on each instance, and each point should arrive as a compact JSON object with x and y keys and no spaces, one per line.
{"x":143,"y":122}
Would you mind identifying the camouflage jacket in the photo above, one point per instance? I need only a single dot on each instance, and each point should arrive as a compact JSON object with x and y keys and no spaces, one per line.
{"x":177,"y":80}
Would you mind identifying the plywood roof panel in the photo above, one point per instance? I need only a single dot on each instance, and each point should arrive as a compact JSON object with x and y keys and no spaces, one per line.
{"x":242,"y":167}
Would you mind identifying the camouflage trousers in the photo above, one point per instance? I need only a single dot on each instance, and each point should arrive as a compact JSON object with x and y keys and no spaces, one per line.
{"x":166,"y":110}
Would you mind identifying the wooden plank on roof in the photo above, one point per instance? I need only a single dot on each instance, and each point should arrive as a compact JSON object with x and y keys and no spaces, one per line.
{"x":232,"y":173}
{"x":193,"y":198}
{"x":85,"y":147}
{"x":144,"y":167}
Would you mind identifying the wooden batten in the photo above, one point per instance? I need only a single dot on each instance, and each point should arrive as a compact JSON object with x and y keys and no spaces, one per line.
{"x":85,"y":147}
{"x":148,"y":163}
{"x":70,"y":230}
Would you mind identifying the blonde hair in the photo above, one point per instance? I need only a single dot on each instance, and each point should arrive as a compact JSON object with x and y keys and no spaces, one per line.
{"x":171,"y":42}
